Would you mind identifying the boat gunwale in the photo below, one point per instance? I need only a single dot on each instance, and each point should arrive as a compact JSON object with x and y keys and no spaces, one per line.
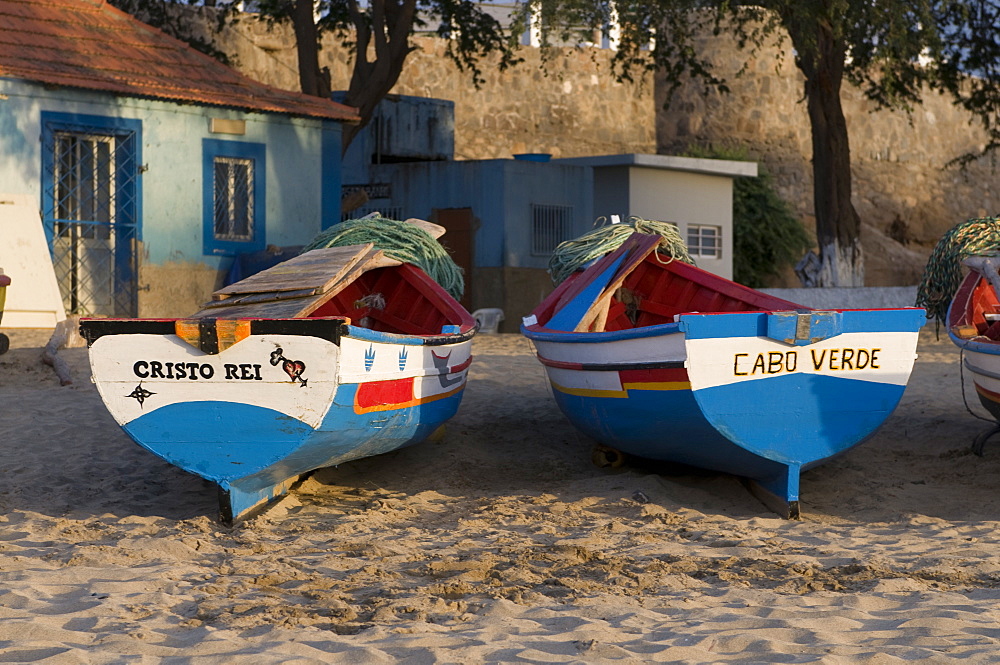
{"x":541,"y":333}
{"x":92,"y":330}
{"x":440,"y":339}
{"x":988,"y":347}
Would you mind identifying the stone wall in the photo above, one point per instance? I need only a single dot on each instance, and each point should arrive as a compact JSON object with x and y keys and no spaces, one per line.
{"x":904,"y":192}
{"x":572,"y":107}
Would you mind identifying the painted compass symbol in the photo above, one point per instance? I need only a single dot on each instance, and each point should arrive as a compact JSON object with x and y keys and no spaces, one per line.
{"x":140,"y":394}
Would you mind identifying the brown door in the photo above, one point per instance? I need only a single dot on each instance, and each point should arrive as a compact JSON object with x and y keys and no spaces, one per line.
{"x":459,"y":240}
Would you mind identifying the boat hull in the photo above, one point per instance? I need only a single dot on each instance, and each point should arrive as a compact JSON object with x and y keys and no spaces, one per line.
{"x":736,"y":392}
{"x":254,"y":417}
{"x":973,"y":327}
{"x":981,"y":361}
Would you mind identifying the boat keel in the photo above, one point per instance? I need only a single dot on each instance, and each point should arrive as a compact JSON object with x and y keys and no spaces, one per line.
{"x":779,"y":493}
{"x":237,"y":504}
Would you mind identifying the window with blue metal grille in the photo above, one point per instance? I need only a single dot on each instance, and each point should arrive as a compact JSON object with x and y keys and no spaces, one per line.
{"x":233,"y":196}
{"x":550,"y":225}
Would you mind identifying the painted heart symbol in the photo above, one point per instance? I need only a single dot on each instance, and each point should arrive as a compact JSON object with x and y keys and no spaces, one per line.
{"x":293,"y":368}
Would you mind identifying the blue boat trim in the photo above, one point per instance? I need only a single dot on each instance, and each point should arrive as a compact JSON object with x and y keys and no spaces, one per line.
{"x":992,"y":349}
{"x":422,"y":340}
{"x":714,"y":325}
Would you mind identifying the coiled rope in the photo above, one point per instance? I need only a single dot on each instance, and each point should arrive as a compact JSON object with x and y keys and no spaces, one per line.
{"x":399,"y":240}
{"x":571,"y":255}
{"x":943,"y":273}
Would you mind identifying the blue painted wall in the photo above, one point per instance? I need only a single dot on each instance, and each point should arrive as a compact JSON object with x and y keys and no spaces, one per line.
{"x":500,"y":193}
{"x":402,"y":128}
{"x":302,"y":179}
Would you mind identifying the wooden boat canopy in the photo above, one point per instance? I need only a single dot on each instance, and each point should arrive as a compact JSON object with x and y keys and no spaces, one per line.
{"x":355,"y":286}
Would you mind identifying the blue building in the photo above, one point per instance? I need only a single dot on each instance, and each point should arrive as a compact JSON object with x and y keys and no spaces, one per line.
{"x":153,"y":165}
{"x":504,"y":217}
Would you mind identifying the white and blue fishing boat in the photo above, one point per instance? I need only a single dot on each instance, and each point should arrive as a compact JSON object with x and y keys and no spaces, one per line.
{"x":335,"y":355}
{"x":973,"y":320}
{"x":658,"y":359}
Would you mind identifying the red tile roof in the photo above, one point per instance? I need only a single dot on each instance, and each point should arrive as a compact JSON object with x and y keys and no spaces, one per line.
{"x":90,"y":44}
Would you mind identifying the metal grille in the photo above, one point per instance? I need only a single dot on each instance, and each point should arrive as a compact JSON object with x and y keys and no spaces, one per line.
{"x":387,"y":212}
{"x":550,"y":225}
{"x":234,"y":198}
{"x":704,"y":241}
{"x":93,"y":221}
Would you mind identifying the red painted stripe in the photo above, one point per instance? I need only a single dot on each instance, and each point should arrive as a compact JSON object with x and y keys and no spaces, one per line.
{"x":559,"y":364}
{"x":653,"y":375}
{"x":381,"y":393}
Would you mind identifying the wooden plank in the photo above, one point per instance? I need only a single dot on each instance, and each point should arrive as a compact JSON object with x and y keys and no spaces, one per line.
{"x":638,"y":246}
{"x":433,"y":230}
{"x":583,"y":282}
{"x":277,"y":309}
{"x":273,"y":306}
{"x":568,"y":316}
{"x":252,"y":298}
{"x":318,"y":269}
{"x":376,"y":260}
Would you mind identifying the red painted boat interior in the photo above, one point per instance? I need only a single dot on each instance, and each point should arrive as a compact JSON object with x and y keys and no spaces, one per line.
{"x":975,"y":309}
{"x":657,"y":290}
{"x":398,"y":299}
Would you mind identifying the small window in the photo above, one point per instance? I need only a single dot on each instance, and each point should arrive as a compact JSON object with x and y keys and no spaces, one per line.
{"x":233,"y":196}
{"x":550,"y":225}
{"x":704,"y":240}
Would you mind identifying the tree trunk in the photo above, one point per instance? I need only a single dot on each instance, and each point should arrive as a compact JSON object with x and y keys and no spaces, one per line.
{"x":838,"y":226}
{"x":313,"y":80}
{"x":371,"y":80}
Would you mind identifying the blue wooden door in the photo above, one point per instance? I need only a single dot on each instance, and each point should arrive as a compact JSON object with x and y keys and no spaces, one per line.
{"x":91,"y":211}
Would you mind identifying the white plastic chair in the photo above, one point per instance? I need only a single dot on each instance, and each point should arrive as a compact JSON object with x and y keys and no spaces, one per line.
{"x":488,"y":319}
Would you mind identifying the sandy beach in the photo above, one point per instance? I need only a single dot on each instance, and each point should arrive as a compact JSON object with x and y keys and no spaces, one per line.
{"x":499,"y":543}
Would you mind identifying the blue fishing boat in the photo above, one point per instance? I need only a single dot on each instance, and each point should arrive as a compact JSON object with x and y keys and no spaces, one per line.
{"x":337,"y":354}
{"x":657,"y":359}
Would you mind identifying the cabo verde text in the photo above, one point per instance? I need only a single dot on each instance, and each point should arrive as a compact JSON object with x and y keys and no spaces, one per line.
{"x":154,"y":369}
{"x":778,"y":362}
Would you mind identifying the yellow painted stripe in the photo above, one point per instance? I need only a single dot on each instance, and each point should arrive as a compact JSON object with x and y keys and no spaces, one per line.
{"x":622,"y":394}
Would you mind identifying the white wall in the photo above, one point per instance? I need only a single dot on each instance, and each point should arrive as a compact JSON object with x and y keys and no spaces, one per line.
{"x":686,"y":198}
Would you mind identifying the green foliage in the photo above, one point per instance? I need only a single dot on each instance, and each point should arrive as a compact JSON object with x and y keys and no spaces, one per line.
{"x":969,"y":45}
{"x":377,"y":31}
{"x":766,"y":235}
{"x":164,"y":16}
